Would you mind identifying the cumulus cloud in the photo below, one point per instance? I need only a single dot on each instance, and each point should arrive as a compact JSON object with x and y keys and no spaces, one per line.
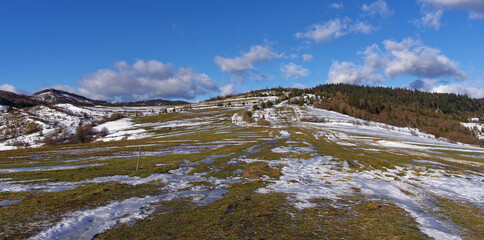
{"x":9,"y":88}
{"x":379,"y":7}
{"x":337,"y":5}
{"x":411,"y":57}
{"x":408,"y":57}
{"x":349,"y":72}
{"x":244,"y":63}
{"x":333,"y":29}
{"x":307,"y":57}
{"x":144,"y":80}
{"x":293,"y":71}
{"x":227,"y":90}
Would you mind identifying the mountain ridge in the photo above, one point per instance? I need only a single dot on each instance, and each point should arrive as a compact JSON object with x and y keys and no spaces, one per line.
{"x":55,"y":96}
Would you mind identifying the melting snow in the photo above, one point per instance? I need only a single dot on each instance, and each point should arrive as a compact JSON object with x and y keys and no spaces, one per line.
{"x":48,"y":168}
{"x":86,"y":224}
{"x":9,"y":202}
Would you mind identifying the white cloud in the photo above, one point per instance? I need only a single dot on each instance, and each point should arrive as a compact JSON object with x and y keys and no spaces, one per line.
{"x":348,"y":72}
{"x":460,"y":89}
{"x":244,"y":63}
{"x":430,"y":19}
{"x":9,"y":88}
{"x":326,"y":32}
{"x":409,"y":57}
{"x":433,"y":10}
{"x":337,"y":5}
{"x":379,"y":7}
{"x":470,"y":6}
{"x":307,"y":57}
{"x":333,"y":29}
{"x":227,"y":90}
{"x":298,"y":85}
{"x":293,"y":71}
{"x":144,"y":80}
{"x":361,"y":27}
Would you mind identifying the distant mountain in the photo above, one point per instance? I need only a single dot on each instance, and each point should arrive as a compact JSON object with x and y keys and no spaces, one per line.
{"x":54,"y":96}
{"x":157,"y":102}
{"x":17,"y":100}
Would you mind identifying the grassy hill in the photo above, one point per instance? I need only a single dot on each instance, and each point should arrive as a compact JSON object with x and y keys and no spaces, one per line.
{"x":439,"y":114}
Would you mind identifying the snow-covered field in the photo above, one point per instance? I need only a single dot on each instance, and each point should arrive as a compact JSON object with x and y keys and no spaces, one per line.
{"x":201,"y":153}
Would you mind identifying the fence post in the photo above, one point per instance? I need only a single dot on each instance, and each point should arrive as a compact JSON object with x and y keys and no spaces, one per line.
{"x":139,"y":155}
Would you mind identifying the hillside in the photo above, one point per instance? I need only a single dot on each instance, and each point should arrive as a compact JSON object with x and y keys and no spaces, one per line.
{"x":440,"y":114}
{"x":17,"y":100}
{"x":53,"y":96}
{"x":248,"y":166}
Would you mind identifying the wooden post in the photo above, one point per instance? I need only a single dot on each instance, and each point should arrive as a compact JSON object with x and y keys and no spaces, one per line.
{"x":139,"y":155}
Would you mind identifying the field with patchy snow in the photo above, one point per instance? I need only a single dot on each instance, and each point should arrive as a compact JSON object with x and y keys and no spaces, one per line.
{"x":204,"y":172}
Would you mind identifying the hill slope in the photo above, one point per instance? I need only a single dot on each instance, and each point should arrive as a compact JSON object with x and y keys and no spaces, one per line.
{"x":53,"y":96}
{"x":17,"y":100}
{"x":440,"y":114}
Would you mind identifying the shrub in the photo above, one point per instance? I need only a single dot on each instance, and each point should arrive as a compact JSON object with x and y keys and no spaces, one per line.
{"x":269,"y":104}
{"x":115,"y":116}
{"x":61,"y":136}
{"x":104,"y":132}
{"x":247,"y":117}
{"x":31,"y":128}
{"x":83,"y":134}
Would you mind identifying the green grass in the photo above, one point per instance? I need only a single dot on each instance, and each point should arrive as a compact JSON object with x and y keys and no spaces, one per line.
{"x":244,"y":214}
{"x":39,"y":210}
{"x":468,"y":218}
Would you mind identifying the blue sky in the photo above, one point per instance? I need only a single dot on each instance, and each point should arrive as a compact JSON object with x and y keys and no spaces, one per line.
{"x":137,"y":50}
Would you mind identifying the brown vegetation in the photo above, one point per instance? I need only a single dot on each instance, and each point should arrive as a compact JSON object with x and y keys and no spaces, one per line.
{"x":263,"y":122}
{"x":247,"y":116}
